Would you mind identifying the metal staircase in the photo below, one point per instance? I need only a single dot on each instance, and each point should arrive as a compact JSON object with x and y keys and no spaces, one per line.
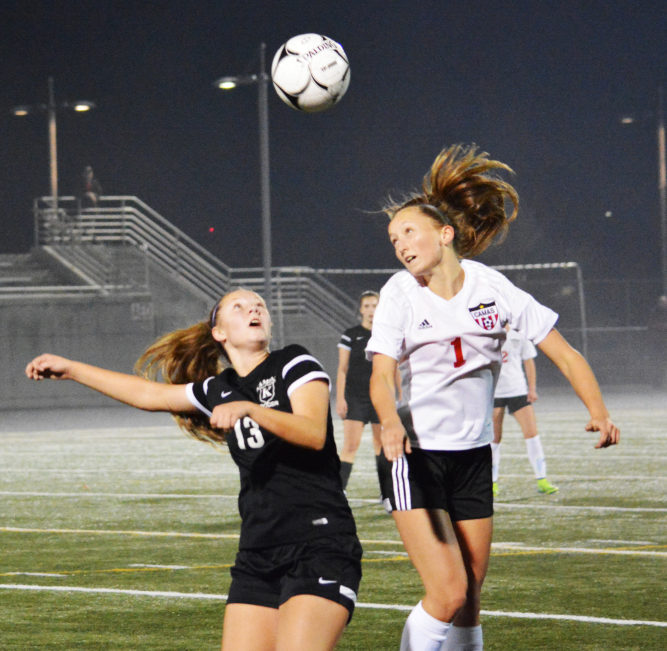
{"x":110,"y":249}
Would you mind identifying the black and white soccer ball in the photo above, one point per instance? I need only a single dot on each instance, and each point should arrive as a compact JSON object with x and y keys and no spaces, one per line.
{"x":310,"y":72}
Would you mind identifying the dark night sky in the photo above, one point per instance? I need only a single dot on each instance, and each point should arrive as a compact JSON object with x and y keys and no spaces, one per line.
{"x":541,"y":85}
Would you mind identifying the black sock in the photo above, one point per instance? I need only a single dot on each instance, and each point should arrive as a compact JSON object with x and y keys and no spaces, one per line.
{"x":345,"y":470}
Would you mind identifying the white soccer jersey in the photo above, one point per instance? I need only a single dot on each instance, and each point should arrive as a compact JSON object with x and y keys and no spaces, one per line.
{"x":512,"y":380}
{"x":449,"y":351}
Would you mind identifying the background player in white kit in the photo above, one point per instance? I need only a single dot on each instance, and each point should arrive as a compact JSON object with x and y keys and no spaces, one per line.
{"x":517,"y":391}
{"x":442,"y":323}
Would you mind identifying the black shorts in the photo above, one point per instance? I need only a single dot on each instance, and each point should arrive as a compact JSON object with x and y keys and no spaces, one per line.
{"x":513,"y":404}
{"x":325,"y":567}
{"x":360,"y":409}
{"x":457,"y":481}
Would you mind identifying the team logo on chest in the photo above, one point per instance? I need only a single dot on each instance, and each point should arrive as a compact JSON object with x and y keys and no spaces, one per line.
{"x":485,"y":314}
{"x":266,"y":392}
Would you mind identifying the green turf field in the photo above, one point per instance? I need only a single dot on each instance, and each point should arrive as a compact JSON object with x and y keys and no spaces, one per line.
{"x":116,"y":532}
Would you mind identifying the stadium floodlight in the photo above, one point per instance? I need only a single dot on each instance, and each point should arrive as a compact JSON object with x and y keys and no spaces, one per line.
{"x":261,"y":79}
{"x":82,"y":106}
{"x":51,"y":109}
{"x":230,"y":82}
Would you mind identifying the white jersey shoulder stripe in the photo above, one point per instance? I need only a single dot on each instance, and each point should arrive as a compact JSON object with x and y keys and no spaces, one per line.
{"x":309,"y":377}
{"x":297,"y":360}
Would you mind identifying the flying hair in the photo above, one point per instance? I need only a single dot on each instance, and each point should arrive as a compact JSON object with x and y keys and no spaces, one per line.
{"x":462,"y":189}
{"x":182,"y":356}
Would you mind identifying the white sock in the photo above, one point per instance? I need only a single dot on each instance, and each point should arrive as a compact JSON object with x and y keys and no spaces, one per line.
{"x":495,"y":461}
{"x":464,"y":638}
{"x":536,"y":456}
{"x":422,"y":632}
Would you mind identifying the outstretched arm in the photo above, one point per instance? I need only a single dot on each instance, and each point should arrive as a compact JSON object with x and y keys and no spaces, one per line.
{"x":123,"y":387}
{"x":580,"y":375}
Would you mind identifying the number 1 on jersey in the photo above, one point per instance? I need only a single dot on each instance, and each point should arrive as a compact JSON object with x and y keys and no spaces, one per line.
{"x":458,"y":352}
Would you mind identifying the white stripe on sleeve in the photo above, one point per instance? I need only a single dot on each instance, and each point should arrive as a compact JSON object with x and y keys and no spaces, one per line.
{"x":309,"y":377}
{"x":297,"y":360}
{"x":193,"y":399}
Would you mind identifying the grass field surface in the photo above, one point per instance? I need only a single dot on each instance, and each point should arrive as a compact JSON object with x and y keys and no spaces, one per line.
{"x":117,"y":532}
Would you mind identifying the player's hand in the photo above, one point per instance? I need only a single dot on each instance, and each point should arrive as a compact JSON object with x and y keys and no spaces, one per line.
{"x":532,"y":396}
{"x":394,"y":440}
{"x":341,"y":407}
{"x":49,"y":367}
{"x":224,"y":417}
{"x":609,"y":433}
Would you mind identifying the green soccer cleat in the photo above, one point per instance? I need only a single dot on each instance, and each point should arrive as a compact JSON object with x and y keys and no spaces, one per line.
{"x":496,"y":490}
{"x":545,"y":487}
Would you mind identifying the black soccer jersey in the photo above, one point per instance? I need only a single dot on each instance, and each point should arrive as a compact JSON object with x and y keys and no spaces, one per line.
{"x":359,"y":369}
{"x":288,"y":493}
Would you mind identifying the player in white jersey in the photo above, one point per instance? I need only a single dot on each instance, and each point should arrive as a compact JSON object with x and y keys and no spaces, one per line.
{"x":297,"y":571}
{"x":517,"y":391}
{"x":442,"y":323}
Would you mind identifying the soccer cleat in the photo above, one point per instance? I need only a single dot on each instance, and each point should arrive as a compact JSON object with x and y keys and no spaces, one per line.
{"x":496,"y":490}
{"x":546,"y":487}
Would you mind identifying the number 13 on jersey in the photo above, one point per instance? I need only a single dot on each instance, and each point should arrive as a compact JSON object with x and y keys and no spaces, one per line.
{"x":248,"y":434}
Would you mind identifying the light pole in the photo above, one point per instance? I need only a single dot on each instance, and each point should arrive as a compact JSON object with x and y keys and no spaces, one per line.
{"x":261,"y":79}
{"x":51,"y":109}
{"x":662,"y":187}
{"x":662,"y":183}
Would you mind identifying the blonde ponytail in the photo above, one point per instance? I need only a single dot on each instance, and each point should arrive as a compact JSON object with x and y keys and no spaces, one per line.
{"x":461,"y":190}
{"x":180,"y":357}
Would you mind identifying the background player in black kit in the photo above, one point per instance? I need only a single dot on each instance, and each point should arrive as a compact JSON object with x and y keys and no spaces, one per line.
{"x":298,"y":567}
{"x":353,"y":400}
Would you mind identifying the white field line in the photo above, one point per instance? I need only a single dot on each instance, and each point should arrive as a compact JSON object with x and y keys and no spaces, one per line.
{"x":113,"y":470}
{"x":564,"y":507}
{"x":498,"y":546}
{"x":640,"y":455}
{"x":375,"y":606}
{"x":160,"y":567}
{"x":186,"y":496}
{"x":527,"y":476}
{"x":224,"y":471}
{"x":622,"y":542}
{"x":85,"y":493}
{"x":122,"y":532}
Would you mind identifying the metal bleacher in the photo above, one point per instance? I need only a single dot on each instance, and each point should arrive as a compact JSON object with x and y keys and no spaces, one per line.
{"x":113,"y":247}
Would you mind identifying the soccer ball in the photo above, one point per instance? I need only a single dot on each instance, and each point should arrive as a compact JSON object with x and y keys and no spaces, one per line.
{"x":310,"y":72}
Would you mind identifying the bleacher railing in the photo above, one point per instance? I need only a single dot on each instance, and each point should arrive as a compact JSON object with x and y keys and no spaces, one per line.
{"x":128,"y":220}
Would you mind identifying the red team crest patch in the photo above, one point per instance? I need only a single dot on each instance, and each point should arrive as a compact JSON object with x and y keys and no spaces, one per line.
{"x":485,"y":314}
